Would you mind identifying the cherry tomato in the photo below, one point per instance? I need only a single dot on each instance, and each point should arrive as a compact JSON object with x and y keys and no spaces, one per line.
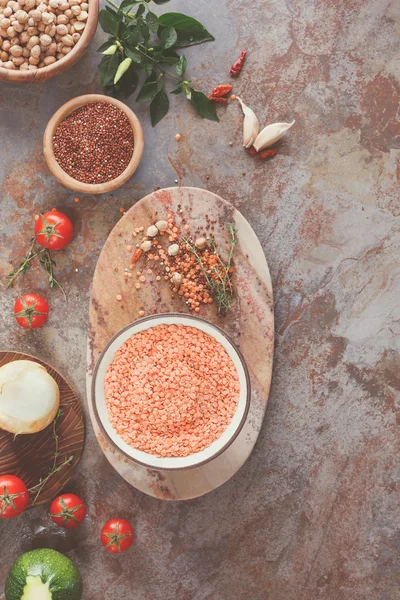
{"x":14,"y":496}
{"x":117,"y":535}
{"x":31,"y":311}
{"x":53,"y":230}
{"x":68,"y":511}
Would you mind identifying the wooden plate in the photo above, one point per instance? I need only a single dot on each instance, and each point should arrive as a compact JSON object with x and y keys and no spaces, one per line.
{"x":31,"y":456}
{"x":249,"y":323}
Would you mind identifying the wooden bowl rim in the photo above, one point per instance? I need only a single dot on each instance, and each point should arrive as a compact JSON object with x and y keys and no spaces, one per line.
{"x":74,"y":184}
{"x":8,"y":76}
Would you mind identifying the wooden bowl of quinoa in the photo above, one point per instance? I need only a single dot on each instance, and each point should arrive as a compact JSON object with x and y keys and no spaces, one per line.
{"x":171,"y":391}
{"x":93,"y":144}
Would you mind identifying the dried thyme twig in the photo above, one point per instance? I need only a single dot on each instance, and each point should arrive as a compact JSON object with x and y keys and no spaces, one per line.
{"x":38,"y":488}
{"x":219,"y":281}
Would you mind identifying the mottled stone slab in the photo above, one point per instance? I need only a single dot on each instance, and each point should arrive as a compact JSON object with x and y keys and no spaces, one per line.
{"x":250,"y":323}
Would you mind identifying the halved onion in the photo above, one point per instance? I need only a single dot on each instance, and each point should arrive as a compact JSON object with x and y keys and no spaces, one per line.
{"x":29,"y":397}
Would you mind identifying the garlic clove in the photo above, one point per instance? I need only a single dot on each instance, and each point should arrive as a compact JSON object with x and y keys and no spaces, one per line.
{"x":271,"y":134}
{"x":251,"y":125}
{"x":162,"y":225}
{"x":152,"y":231}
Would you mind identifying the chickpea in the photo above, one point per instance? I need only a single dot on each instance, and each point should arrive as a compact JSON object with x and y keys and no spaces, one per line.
{"x":34,"y":41}
{"x":59,"y":55}
{"x":32,"y":68}
{"x":48,"y":18}
{"x":18,"y":60}
{"x":11,"y":32}
{"x":21,"y":16}
{"x":62,"y":29}
{"x":52,"y":49}
{"x":74,"y":2}
{"x":5,"y":23}
{"x":32,"y":31}
{"x":79,"y":26}
{"x":6,"y":45}
{"x":42,"y":8}
{"x":59,"y":47}
{"x":9,"y":65}
{"x":26,"y":53}
{"x":68,"y":13}
{"x":3,"y":33}
{"x":83,"y":15}
{"x":66,"y":50}
{"x":15,"y":41}
{"x":41,"y":26}
{"x":24,"y":67}
{"x":29,"y":4}
{"x":36,"y":15}
{"x":3,"y":56}
{"x":3,"y":3}
{"x":33,"y":60}
{"x":49,"y":60}
{"x":76,"y":37}
{"x":76,"y":10}
{"x":67,"y":40}
{"x":85,"y":6}
{"x":16,"y":51}
{"x":7,"y":12}
{"x":18,"y":27}
{"x":62,"y":20}
{"x":45,"y":40}
{"x":50,"y":30}
{"x":63,"y":5}
{"x":24,"y":37}
{"x":35,"y":51}
{"x":53,"y":4}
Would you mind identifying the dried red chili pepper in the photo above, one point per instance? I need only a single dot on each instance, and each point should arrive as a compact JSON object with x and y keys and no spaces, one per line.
{"x":252,"y":151}
{"x":268,"y":153}
{"x":237,"y":65}
{"x":135,"y":256}
{"x":221,"y":90}
{"x":217,"y":99}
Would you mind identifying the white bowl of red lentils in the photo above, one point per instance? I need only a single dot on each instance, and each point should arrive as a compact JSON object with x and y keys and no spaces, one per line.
{"x":93,"y":144}
{"x":171,"y":391}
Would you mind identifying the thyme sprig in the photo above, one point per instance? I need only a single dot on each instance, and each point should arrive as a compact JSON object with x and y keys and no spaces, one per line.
{"x":218,"y":279}
{"x":45,"y":261}
{"x":38,"y":488}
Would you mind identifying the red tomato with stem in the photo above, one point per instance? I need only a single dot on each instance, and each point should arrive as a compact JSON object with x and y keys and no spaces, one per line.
{"x":117,"y":535}
{"x":14,"y":496}
{"x":68,"y":511}
{"x":31,"y":311}
{"x":53,"y":230}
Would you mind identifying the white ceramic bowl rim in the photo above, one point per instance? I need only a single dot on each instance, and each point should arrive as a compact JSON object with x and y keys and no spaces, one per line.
{"x":150,"y":460}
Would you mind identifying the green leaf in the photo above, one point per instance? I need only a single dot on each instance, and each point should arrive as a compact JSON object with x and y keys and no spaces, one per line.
{"x":181,"y":65}
{"x":177,"y":90}
{"x":109,"y":23}
{"x":159,"y":107}
{"x":131,"y":38}
{"x":152,"y":21}
{"x":161,"y":1}
{"x":140,"y":11}
{"x":133,"y":54}
{"x":108,"y":67}
{"x":144,"y":30}
{"x":148,"y":91}
{"x":168,"y":37}
{"x":190,"y":32}
{"x":126,"y":5}
{"x":203,"y":106}
{"x":106,"y":44}
{"x":112,"y":11}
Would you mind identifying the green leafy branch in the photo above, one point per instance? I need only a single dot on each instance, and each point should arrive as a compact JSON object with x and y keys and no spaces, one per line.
{"x":140,"y":40}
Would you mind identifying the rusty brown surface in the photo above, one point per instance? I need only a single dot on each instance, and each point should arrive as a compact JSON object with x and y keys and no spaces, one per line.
{"x":315,"y":511}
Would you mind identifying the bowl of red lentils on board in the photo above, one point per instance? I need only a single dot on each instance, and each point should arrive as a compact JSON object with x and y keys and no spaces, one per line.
{"x":93,"y":144}
{"x":171,"y":391}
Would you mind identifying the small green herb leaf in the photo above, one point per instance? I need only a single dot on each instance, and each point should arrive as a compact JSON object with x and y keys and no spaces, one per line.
{"x":161,"y":1}
{"x":168,"y":37}
{"x":159,"y":107}
{"x":152,"y":22}
{"x":144,"y":30}
{"x":181,"y":65}
{"x":190,"y":32}
{"x":131,"y":38}
{"x":148,"y":91}
{"x":108,"y":67}
{"x":177,"y":90}
{"x":203,"y":106}
{"x":126,"y":5}
{"x":109,"y":22}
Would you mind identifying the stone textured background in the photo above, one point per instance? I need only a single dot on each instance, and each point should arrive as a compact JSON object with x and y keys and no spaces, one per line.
{"x":315,"y":512}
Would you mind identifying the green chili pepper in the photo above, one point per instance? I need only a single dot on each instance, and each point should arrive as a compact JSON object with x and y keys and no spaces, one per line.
{"x":122,"y":69}
{"x":111,"y":50}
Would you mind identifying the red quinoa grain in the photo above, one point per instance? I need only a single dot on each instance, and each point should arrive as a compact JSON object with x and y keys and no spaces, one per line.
{"x":94,"y":144}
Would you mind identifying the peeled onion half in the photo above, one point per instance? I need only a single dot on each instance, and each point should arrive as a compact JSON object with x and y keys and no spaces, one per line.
{"x":29,"y":397}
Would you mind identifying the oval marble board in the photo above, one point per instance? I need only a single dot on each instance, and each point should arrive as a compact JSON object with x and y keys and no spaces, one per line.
{"x":32,"y":456}
{"x":249,"y":322}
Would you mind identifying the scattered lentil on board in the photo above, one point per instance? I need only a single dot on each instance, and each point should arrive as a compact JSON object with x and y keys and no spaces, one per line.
{"x":94,"y":144}
{"x":171,"y":390}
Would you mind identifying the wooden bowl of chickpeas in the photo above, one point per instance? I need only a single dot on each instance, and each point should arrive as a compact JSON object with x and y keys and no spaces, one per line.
{"x":43,"y":38}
